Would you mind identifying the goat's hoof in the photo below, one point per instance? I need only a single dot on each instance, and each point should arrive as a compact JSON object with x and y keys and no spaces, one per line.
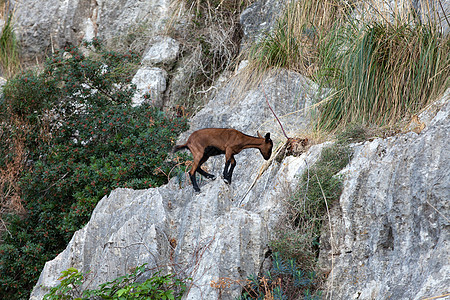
{"x":196,"y":190}
{"x":212,"y":177}
{"x":226,"y":180}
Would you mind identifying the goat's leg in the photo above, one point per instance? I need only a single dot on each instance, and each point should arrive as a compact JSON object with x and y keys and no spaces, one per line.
{"x":225,"y":171}
{"x":228,"y":170}
{"x":194,"y":182}
{"x":203,"y":172}
{"x":192,"y":176}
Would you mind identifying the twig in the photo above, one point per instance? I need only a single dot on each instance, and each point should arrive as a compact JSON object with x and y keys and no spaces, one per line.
{"x":270,"y":107}
{"x":52,"y":185}
{"x":438,"y":212}
{"x":437,"y":297}
{"x":445,"y":16}
{"x":331,"y":237}
{"x":261,"y":171}
{"x":6,"y":228}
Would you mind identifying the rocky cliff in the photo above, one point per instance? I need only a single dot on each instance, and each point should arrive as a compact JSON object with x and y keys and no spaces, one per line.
{"x":222,"y":232}
{"x":390,"y":232}
{"x":388,"y":237}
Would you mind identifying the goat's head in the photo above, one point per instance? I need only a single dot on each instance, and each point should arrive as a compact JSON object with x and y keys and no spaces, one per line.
{"x":266,"y":147}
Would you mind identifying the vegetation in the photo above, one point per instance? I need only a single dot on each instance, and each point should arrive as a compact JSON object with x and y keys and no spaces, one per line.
{"x":382,"y":72}
{"x":379,"y":69}
{"x":320,"y":187}
{"x":69,"y":137}
{"x":9,"y":49}
{"x":293,"y":42}
{"x":283,"y":281}
{"x":210,"y":44}
{"x":164,"y":287}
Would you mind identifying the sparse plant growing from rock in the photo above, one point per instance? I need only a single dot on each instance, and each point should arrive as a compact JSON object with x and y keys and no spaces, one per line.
{"x":299,"y":237}
{"x":9,"y":49}
{"x":283,"y":281}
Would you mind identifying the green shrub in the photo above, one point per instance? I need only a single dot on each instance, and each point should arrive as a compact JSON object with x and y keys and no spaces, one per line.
{"x":165,"y":287}
{"x":299,"y":236}
{"x":84,"y":140}
{"x":283,"y":281}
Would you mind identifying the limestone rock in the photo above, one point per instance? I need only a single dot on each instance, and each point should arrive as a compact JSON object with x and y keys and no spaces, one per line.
{"x":150,"y":80}
{"x":390,"y":231}
{"x":222,"y":232}
{"x":163,"y":50}
{"x":289,"y":94}
{"x":260,"y":18}
{"x":42,"y":26}
{"x":46,"y":25}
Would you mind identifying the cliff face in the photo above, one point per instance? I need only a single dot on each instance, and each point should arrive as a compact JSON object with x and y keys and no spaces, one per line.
{"x":222,"y":232}
{"x":43,"y":26}
{"x":390,"y":232}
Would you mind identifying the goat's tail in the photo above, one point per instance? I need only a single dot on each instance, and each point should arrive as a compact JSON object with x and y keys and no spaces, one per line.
{"x":179,"y":147}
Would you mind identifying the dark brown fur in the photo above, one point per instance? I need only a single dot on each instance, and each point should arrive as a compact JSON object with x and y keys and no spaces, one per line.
{"x":208,"y":142}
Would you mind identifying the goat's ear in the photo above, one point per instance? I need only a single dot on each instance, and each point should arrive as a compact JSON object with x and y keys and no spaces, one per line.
{"x":257,"y":133}
{"x":267,"y":137}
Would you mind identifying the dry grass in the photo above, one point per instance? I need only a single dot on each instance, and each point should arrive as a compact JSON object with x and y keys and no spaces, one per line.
{"x":383,"y":72}
{"x":383,"y":62}
{"x":293,"y":42}
{"x":210,"y":37}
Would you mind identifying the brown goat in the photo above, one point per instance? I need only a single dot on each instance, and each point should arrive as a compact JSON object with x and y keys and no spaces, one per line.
{"x":208,"y":142}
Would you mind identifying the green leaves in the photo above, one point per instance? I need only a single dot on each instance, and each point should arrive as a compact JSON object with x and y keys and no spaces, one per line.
{"x":126,"y":287}
{"x":283,"y":280}
{"x":84,"y":140}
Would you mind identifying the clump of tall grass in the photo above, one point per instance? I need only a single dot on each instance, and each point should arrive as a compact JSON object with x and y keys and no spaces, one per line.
{"x":382,"y":72}
{"x":9,"y":49}
{"x":292,"y":44}
{"x":381,"y":63}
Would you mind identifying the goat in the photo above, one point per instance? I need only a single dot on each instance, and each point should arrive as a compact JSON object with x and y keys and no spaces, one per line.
{"x":208,"y":142}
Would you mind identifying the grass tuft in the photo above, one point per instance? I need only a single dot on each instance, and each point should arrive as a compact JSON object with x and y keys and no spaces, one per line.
{"x":9,"y":49}
{"x":382,"y":72}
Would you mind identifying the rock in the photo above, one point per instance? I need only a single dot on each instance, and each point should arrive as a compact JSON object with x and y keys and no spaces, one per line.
{"x":44,"y":25}
{"x":390,"y":230}
{"x":186,"y":69}
{"x":164,"y":50}
{"x":121,"y":16}
{"x":289,"y":94}
{"x":259,"y":19}
{"x":150,"y":80}
{"x":222,"y":232}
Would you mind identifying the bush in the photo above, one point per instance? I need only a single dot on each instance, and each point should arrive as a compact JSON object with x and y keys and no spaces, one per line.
{"x":283,"y":281}
{"x":84,"y":140}
{"x":299,"y":235}
{"x":122,"y":288}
